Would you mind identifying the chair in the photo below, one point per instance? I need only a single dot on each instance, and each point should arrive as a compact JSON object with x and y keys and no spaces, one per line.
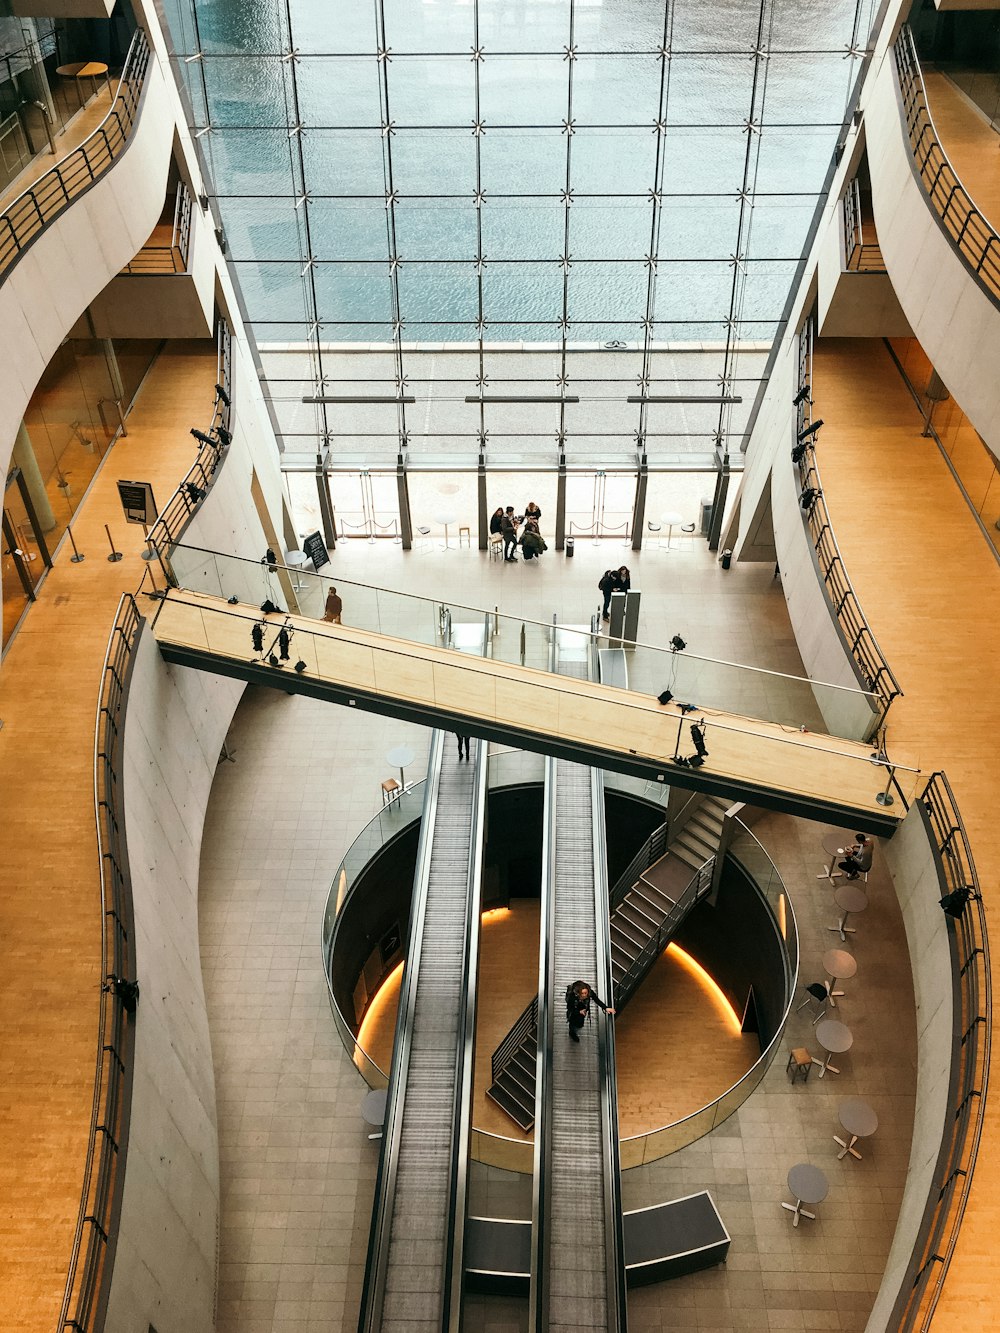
{"x":688,"y":528}
{"x":799,"y":1062}
{"x":496,"y":546}
{"x":655,"y":528}
{"x":468,"y":536}
{"x":391,"y":791}
{"x":425,"y":532}
{"x":817,"y":993}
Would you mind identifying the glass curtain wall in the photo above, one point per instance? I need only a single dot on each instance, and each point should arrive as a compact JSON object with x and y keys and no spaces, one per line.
{"x":513,"y":232}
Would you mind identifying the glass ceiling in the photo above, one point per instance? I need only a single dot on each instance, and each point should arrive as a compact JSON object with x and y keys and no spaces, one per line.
{"x":515,"y":229}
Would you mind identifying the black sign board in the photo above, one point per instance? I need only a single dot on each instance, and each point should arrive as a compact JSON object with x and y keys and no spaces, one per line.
{"x":315,"y":549}
{"x":389,"y":944}
{"x":137,"y":502}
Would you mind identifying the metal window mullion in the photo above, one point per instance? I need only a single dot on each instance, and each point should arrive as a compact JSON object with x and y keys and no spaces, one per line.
{"x":390,"y":217}
{"x":480,"y":305}
{"x":564,"y":328}
{"x":657,"y":219}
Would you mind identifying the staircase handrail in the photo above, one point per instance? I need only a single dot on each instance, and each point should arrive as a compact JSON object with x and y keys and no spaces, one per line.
{"x":698,"y":887}
{"x":504,"y":1053}
{"x":651,"y":851}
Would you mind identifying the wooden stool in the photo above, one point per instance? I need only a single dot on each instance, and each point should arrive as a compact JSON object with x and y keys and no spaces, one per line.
{"x":468,"y":536}
{"x":391,"y":791}
{"x":496,"y":546}
{"x":799,"y":1059}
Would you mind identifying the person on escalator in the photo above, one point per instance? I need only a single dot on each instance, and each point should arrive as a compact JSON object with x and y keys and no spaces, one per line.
{"x":578,"y":998}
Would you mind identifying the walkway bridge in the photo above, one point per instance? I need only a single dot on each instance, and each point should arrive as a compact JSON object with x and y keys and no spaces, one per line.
{"x":802,"y":773}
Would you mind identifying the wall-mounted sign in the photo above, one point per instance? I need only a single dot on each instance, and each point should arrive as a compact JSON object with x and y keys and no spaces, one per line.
{"x":315,"y":549}
{"x":138,"y":502}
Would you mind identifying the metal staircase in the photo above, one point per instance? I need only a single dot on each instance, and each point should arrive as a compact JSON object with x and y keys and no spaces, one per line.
{"x":644,"y":918}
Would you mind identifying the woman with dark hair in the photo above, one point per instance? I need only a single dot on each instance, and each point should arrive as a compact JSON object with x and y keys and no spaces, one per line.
{"x":624,"y":579}
{"x":578,"y":998}
{"x":608,"y":585}
{"x":497,"y":520}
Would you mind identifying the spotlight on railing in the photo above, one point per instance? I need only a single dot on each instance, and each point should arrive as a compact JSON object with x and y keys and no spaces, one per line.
{"x":677,"y":644}
{"x":698,"y":736}
{"x":225,"y":438}
{"x":801,"y":396}
{"x":799,"y":451}
{"x":202,"y":438}
{"x":809,"y":497}
{"x":221,"y":394}
{"x":955,"y":903}
{"x":811,"y":429}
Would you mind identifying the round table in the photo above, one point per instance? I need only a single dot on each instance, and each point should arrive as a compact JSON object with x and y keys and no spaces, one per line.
{"x":849,"y":898}
{"x":839,"y":966}
{"x":833,"y":845}
{"x":445,"y":518}
{"x":807,"y":1184}
{"x":859,"y":1120}
{"x":296,"y":561}
{"x":671,"y":518}
{"x":84,"y":69}
{"x":373,"y":1109}
{"x":399,"y":758}
{"x":835,"y":1038}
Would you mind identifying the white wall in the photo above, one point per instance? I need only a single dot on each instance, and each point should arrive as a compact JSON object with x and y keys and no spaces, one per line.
{"x":854,"y":304}
{"x":911,"y":865}
{"x":956,"y":323}
{"x":78,"y":254}
{"x":164,"y":1270}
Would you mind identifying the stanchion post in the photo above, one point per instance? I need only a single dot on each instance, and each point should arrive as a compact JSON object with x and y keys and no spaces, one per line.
{"x":115,"y":555}
{"x":76,"y":558}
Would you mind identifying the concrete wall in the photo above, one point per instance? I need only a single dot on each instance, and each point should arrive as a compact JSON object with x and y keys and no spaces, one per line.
{"x":164,"y":1270}
{"x":955,"y":321}
{"x":78,"y":254}
{"x":913,"y":869}
{"x":854,"y":305}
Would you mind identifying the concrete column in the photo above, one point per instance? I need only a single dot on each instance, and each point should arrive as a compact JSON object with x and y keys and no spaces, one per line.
{"x":24,"y":456}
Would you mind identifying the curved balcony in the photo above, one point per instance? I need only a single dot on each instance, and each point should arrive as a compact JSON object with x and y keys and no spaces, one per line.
{"x":76,"y":227}
{"x":942,"y":254}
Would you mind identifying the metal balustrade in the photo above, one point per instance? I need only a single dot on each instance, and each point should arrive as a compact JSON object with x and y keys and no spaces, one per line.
{"x":89,"y":1274}
{"x":860,"y":255}
{"x":48,"y":197}
{"x":970,"y":956}
{"x":874,"y":670}
{"x":971,"y":234}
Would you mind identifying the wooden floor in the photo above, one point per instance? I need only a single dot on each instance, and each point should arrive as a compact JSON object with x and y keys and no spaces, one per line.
{"x":676,"y":1047}
{"x":930,"y":588}
{"x":972,"y":146}
{"x":72,"y":136}
{"x":50,"y":910}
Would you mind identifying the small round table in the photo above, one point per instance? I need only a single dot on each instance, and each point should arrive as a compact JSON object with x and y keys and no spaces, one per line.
{"x":445,"y":518}
{"x":850,"y":899}
{"x":399,"y":758}
{"x":373,"y":1109}
{"x":833,"y":845}
{"x":807,"y":1184}
{"x":296,"y":561}
{"x":839,"y":966}
{"x":835,"y":1038}
{"x":84,"y":69}
{"x":859,"y":1120}
{"x":672,"y":518}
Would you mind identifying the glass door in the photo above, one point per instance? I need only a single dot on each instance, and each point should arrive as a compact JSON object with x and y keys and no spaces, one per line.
{"x":25,"y":557}
{"x":600,"y":504}
{"x":365,"y":504}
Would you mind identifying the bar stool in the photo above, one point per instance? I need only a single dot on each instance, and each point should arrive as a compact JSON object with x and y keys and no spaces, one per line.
{"x":816,"y":993}
{"x":799,"y":1062}
{"x":655,"y":528}
{"x":425,"y":532}
{"x":496,"y":546}
{"x":391,"y":791}
{"x":468,"y":536}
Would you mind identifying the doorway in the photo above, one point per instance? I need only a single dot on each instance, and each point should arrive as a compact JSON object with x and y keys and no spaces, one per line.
{"x":25,"y":559}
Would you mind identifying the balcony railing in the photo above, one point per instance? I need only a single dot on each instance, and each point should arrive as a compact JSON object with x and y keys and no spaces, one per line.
{"x":49,"y":196}
{"x":89,"y":1275}
{"x":861,"y":249}
{"x":861,"y":643}
{"x":172,"y":258}
{"x":970,"y":953}
{"x":973,"y":236}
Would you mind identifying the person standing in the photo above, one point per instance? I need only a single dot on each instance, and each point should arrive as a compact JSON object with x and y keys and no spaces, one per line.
{"x":462,"y":740}
{"x":532,"y":511}
{"x":508,"y":529}
{"x":608,"y":585}
{"x":334,"y":607}
{"x":578,"y":999}
{"x":532,"y":542}
{"x":624,"y":579}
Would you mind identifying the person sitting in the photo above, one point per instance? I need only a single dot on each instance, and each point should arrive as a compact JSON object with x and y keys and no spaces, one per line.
{"x":578,"y":998}
{"x":532,"y":541}
{"x":496,"y":522}
{"x":859,"y":858}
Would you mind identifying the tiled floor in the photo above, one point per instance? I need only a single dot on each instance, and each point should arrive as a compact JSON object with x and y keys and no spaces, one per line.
{"x":297,"y":1168}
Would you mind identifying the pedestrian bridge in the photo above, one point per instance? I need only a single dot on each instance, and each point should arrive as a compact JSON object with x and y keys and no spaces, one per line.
{"x":765,"y":763}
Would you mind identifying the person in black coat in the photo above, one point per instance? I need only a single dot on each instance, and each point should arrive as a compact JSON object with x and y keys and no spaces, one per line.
{"x":608,"y":585}
{"x":496,"y":522}
{"x":508,"y":528}
{"x":578,"y":1000}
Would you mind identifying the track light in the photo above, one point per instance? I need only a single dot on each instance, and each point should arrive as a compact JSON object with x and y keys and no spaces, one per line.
{"x":955,"y":903}
{"x":809,"y":497}
{"x":801,"y":396}
{"x":202,"y":438}
{"x":221,"y":394}
{"x":665,"y":697}
{"x":677,"y":644}
{"x":284,"y":638}
{"x":809,"y":430}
